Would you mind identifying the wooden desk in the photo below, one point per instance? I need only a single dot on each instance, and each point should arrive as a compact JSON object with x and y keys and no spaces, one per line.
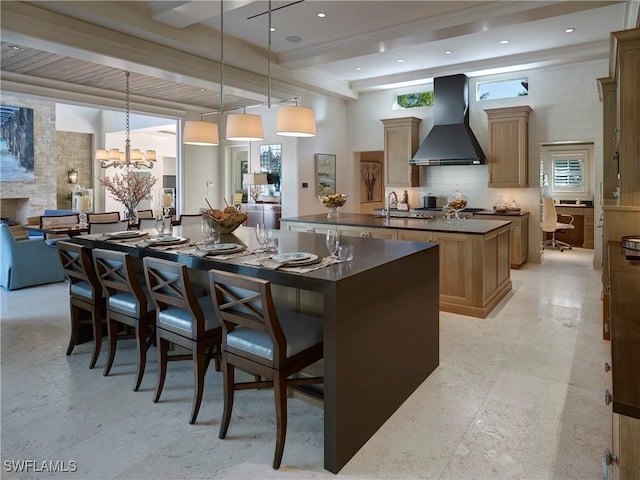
{"x":370,"y":319}
{"x":582,"y":235}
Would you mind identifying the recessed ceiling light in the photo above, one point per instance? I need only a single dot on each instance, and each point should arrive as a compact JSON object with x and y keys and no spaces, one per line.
{"x":504,"y":42}
{"x":273,"y":29}
{"x":14,"y":47}
{"x":569,"y":30}
{"x":358,"y":68}
{"x":293,"y":39}
{"x":400,"y":60}
{"x":322,"y":15}
{"x":448,"y":52}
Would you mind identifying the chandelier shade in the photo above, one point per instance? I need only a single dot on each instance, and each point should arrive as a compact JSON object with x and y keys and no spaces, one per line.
{"x":244,"y":126}
{"x":200,"y":133}
{"x":130,"y":157}
{"x":295,"y":122}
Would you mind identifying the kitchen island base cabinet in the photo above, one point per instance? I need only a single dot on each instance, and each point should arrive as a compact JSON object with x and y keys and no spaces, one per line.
{"x":474,"y":269}
{"x":518,"y":235}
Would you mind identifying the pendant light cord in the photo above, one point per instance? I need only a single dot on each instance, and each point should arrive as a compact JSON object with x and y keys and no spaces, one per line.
{"x":269,"y":62}
{"x":221,"y":60}
{"x":127,"y":147}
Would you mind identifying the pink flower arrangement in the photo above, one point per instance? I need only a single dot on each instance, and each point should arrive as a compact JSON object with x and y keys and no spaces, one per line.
{"x":129,"y":188}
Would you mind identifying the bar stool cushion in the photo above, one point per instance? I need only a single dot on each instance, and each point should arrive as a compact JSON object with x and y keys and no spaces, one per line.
{"x":301,"y":332}
{"x":126,"y":303}
{"x":83,"y":289}
{"x":180,"y":320}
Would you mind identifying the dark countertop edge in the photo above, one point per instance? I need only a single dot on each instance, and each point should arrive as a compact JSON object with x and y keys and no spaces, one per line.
{"x":506,"y":214}
{"x":402,"y":223}
{"x":368,"y":256}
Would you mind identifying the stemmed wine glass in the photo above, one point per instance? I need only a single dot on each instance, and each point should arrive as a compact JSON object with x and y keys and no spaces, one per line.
{"x":332,"y":241}
{"x":262,"y":234}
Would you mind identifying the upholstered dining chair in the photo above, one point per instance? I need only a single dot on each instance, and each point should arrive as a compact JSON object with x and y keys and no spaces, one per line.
{"x":550,"y":224}
{"x":128,"y":304}
{"x":190,"y":219}
{"x":58,"y":221}
{"x":146,"y":223}
{"x":184,"y":319}
{"x":107,"y":217}
{"x":85,"y":294}
{"x":264,"y":341}
{"x":106,"y":227}
{"x":147,"y":213}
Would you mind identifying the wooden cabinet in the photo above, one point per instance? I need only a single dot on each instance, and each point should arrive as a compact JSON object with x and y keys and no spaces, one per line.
{"x":518,"y":235}
{"x":266,"y":213}
{"x":607,"y":92}
{"x":400,"y":145}
{"x":624,"y":278}
{"x":508,"y":146}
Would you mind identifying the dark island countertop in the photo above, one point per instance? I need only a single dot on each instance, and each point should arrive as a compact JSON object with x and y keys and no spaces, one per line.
{"x":470,"y":226}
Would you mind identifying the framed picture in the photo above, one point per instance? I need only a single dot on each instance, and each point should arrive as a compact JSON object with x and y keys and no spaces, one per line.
{"x":370,"y":182}
{"x":325,"y":174}
{"x":16,"y":144}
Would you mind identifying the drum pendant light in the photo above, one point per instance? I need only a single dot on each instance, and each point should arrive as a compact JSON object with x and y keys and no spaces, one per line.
{"x":244,"y":127}
{"x":200,"y":133}
{"x":296,"y":121}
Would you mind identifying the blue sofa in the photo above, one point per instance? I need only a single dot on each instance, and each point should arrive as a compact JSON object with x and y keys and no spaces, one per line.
{"x":25,"y":263}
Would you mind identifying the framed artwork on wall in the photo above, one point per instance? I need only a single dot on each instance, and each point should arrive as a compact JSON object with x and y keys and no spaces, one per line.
{"x":325,"y":174}
{"x":16,"y":144}
{"x":370,"y":182}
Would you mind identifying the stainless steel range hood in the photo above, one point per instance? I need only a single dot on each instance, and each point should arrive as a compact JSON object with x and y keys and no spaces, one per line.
{"x":450,"y":141}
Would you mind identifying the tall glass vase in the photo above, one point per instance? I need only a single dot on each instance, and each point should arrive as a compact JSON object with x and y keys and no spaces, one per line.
{"x":131,"y":214}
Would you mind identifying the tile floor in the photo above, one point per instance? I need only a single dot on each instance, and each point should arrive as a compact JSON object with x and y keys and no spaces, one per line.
{"x":518,"y":395}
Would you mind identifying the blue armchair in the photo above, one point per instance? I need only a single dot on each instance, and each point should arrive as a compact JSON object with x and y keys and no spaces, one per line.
{"x":25,"y":263}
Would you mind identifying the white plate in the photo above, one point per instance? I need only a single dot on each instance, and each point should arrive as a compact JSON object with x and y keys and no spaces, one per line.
{"x":166,"y":239}
{"x":123,"y":234}
{"x":292,"y":257}
{"x":221,"y":246}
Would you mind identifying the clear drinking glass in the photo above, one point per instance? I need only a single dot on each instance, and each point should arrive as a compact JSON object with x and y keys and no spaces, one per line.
{"x":160,"y":225}
{"x":262,"y":234}
{"x":207,"y":231}
{"x":332,"y":241}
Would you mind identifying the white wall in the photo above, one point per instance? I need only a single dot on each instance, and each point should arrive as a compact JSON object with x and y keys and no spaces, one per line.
{"x":565,"y":106}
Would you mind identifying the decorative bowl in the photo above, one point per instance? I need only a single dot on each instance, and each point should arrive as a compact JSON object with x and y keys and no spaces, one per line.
{"x":333,"y":201}
{"x":224,"y":222}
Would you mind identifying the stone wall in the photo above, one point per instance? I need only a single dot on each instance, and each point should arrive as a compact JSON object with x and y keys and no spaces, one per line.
{"x":74,"y":151}
{"x":41,"y":193}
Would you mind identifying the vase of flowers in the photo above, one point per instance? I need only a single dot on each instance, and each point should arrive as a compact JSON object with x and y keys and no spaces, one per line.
{"x":129,"y":189}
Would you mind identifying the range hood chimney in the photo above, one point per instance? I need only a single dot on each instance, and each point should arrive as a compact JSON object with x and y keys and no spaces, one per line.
{"x":450,"y":141}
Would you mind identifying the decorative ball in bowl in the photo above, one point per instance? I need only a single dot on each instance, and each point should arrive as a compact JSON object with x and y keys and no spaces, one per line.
{"x":333,"y":200}
{"x":224,"y":221}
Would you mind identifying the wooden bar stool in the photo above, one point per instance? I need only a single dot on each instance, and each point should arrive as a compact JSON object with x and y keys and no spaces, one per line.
{"x":128,"y":303}
{"x":184,"y":319}
{"x":262,"y":341}
{"x":85,"y":293}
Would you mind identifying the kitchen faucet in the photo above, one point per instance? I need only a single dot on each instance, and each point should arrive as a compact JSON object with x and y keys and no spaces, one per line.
{"x":395,"y":196}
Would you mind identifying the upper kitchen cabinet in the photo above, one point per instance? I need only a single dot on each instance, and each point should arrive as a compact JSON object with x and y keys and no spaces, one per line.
{"x":400,"y":145}
{"x":508,"y":156}
{"x":624,"y":70}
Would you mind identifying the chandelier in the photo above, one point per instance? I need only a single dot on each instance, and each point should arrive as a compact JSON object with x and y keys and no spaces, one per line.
{"x":130,"y":157}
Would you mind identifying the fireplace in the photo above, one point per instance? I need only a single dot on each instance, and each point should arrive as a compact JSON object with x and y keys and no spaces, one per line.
{"x":15,"y":209}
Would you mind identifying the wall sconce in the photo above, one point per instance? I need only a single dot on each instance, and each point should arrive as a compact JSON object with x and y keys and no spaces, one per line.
{"x":72,"y":175}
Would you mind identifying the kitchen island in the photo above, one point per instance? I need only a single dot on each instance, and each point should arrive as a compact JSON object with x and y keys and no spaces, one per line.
{"x":474,"y":255}
{"x":371,"y":320}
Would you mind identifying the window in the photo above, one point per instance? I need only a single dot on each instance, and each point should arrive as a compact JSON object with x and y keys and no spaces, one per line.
{"x":567,"y":174}
{"x":510,"y":88}
{"x":565,"y":170}
{"x":413,"y":100}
